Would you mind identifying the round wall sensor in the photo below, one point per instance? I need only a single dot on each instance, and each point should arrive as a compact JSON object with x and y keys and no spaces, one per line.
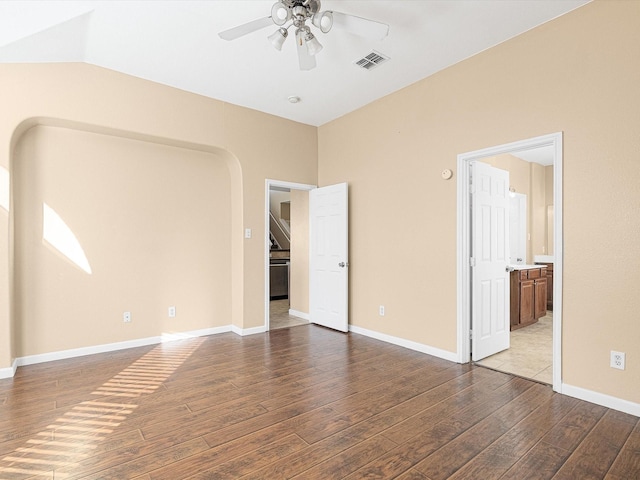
{"x":447,"y":174}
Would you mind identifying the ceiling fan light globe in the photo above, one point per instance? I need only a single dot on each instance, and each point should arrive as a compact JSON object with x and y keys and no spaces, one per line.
{"x":312,"y":43}
{"x":280,"y":14}
{"x":323,"y":21}
{"x":278,"y":37}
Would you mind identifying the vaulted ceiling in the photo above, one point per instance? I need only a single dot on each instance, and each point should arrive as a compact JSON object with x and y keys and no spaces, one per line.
{"x":176,"y":43}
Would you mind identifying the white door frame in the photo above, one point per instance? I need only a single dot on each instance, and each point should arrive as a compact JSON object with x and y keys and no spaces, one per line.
{"x":267,"y":244}
{"x":464,"y":248}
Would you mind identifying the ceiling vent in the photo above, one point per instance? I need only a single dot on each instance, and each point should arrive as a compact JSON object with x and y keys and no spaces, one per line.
{"x":372,"y":60}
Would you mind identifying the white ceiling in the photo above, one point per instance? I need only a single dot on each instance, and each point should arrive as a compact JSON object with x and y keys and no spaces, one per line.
{"x":542,"y":155}
{"x":176,"y":43}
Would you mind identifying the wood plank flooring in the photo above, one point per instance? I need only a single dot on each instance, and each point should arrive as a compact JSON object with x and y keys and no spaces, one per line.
{"x":304,"y":403}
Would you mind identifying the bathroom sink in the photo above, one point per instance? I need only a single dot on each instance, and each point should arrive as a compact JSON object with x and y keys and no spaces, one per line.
{"x":524,"y":267}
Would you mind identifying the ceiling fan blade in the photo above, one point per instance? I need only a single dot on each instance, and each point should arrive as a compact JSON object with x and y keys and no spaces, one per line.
{"x":307,"y":62}
{"x":360,"y":26}
{"x":245,"y":29}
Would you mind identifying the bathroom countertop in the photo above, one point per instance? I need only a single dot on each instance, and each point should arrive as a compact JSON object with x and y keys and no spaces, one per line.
{"x":525,"y":267}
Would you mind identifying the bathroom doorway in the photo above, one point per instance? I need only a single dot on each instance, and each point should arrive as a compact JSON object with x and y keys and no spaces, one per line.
{"x":518,"y":153}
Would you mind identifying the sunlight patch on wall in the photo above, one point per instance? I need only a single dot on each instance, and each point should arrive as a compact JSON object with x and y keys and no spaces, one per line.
{"x":4,"y":188}
{"x":57,"y":234}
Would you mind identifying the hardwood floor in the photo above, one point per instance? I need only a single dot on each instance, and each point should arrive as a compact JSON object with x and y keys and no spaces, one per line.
{"x":306,"y":403}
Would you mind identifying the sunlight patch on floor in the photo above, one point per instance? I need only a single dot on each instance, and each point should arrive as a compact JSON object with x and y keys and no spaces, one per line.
{"x":58,"y":448}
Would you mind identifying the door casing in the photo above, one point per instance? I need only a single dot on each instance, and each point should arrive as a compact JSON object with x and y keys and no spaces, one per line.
{"x":464,"y":245}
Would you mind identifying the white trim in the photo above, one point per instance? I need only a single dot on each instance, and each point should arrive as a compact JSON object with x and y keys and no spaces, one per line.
{"x":243,"y":332}
{"x":558,"y":265}
{"x":463,"y":246}
{"x":267,"y":246}
{"x":302,"y":315}
{"x":111,"y":347}
{"x":401,"y":342}
{"x":9,"y":372}
{"x":601,"y":399}
{"x":172,"y":337}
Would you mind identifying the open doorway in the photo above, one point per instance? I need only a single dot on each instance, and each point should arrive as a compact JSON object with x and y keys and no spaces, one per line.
{"x":286,"y":254}
{"x":529,"y":306}
{"x":544,"y":245}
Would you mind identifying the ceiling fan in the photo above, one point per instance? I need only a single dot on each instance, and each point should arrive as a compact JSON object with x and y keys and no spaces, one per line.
{"x":295,"y":13}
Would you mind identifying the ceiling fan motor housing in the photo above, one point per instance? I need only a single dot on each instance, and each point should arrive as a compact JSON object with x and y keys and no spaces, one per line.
{"x":284,"y":10}
{"x":312,"y":6}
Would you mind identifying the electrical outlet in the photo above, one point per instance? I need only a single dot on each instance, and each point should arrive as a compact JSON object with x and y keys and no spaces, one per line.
{"x":617,"y":360}
{"x":381,"y":310}
{"x":126,"y":317}
{"x":172,"y":312}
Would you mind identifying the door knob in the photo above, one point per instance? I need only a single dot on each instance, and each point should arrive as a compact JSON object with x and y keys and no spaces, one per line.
{"x":510,"y":269}
{"x":343,"y":264}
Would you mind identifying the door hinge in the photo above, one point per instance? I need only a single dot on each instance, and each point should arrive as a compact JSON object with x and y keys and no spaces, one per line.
{"x":472,"y":262}
{"x":470,"y":334}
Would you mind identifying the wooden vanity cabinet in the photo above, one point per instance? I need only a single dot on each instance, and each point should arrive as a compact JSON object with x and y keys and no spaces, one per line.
{"x":528,"y":296}
{"x":549,"y":284}
{"x":540,"y":298}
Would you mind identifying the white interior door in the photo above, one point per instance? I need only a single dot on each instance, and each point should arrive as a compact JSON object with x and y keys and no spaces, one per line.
{"x":490,"y":255}
{"x":328,"y":257}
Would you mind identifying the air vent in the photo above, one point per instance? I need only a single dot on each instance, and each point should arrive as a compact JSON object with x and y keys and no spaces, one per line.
{"x":372,"y":60}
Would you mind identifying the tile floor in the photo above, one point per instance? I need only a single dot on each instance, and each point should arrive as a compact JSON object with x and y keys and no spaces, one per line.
{"x":530,"y":354}
{"x":279,"y":315}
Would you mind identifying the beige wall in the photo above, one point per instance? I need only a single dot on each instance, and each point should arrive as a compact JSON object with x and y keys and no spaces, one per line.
{"x":148,"y":218}
{"x":549,"y":186}
{"x":299,"y":286}
{"x":527,"y":178}
{"x":519,"y":171}
{"x":168,"y":122}
{"x":538,"y":211}
{"x":275,"y":199}
{"x":578,"y":74}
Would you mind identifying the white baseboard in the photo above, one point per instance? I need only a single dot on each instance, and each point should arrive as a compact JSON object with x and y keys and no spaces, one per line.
{"x":602,"y":399}
{"x":570,"y":390}
{"x":248,"y":331}
{"x":9,"y":372}
{"x":109,"y":347}
{"x":302,"y":315}
{"x":576,"y":392}
{"x":419,"y":347}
